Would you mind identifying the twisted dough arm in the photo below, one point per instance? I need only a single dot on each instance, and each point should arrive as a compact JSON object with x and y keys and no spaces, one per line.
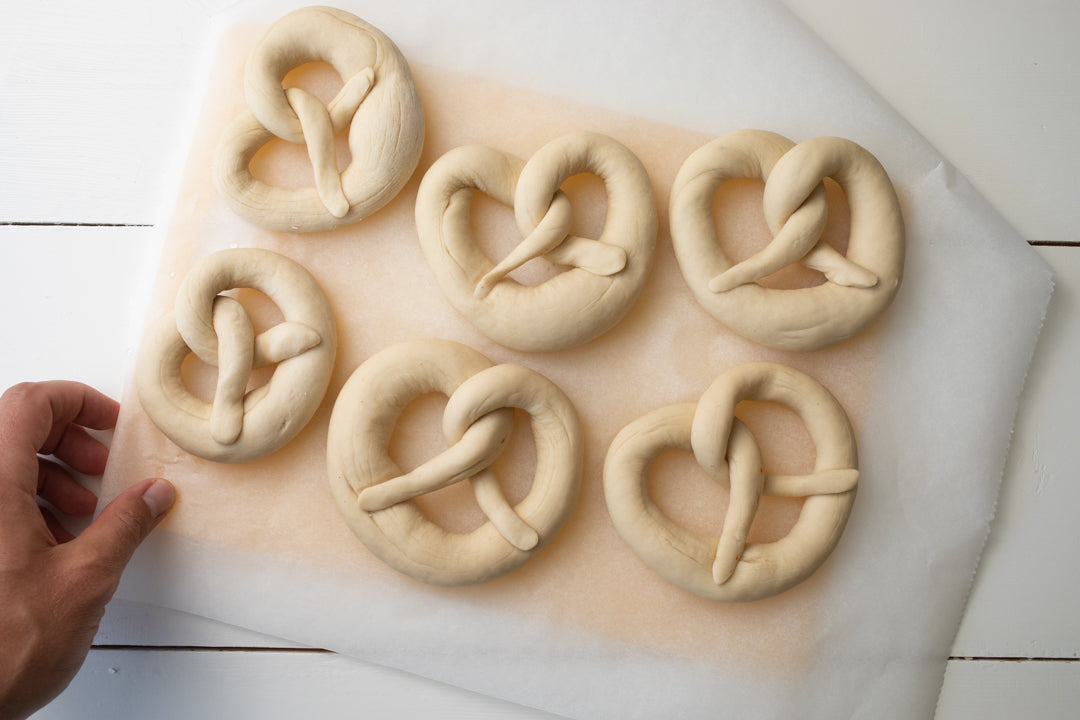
{"x":320,"y":124}
{"x":478,"y":447}
{"x":236,"y":352}
{"x":747,"y":483}
{"x":755,"y":153}
{"x":500,"y":512}
{"x":549,"y":233}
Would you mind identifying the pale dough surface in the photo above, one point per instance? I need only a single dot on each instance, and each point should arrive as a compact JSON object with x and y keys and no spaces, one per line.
{"x":858,"y":285}
{"x":239,"y":424}
{"x":375,"y":495}
{"x":728,"y":567}
{"x":377,"y":104}
{"x":605,"y":275}
{"x":665,"y":350}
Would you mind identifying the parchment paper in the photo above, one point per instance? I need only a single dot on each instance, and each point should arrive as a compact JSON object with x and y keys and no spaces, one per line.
{"x":585,"y":629}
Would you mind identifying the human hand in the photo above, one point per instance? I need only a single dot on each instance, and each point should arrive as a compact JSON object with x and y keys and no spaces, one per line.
{"x":53,"y":586}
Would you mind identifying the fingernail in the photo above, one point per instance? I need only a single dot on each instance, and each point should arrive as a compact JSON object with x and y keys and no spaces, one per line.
{"x":159,"y":497}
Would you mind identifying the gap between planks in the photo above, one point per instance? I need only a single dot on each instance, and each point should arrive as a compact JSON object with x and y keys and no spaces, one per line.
{"x":9,"y":223}
{"x":976,"y":658}
{"x":35,"y":223}
{"x":209,"y":648}
{"x":321,"y":651}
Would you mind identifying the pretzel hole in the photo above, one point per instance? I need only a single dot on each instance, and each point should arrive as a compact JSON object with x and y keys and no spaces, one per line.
{"x":201,"y":379}
{"x":682,"y":491}
{"x":588,"y":197}
{"x":496,"y":234}
{"x":285,"y":164}
{"x":838,"y":230}
{"x":318,"y":78}
{"x":786,"y":449}
{"x":418,"y":437}
{"x":741,"y":229}
{"x":786,"y":446}
{"x":264,"y":313}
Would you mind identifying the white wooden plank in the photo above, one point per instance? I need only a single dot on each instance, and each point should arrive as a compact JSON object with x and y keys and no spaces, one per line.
{"x":169,"y":684}
{"x":165,"y":684}
{"x":93,"y":97}
{"x":1023,"y":603}
{"x":995,"y":86}
{"x":982,"y":690}
{"x":66,"y":294}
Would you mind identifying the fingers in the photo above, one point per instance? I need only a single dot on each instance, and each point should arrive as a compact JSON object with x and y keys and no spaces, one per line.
{"x":125,"y":522}
{"x":35,"y":417}
{"x":77,"y":448}
{"x":56,"y":486}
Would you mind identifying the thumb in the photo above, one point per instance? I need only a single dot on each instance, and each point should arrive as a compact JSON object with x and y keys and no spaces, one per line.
{"x":126,"y":521}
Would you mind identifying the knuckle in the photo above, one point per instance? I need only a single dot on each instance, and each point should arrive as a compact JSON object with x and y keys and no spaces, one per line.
{"x":21,"y":394}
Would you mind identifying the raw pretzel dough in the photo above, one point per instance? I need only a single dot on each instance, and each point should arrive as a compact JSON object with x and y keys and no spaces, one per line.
{"x":606,"y":274}
{"x":728,"y":568}
{"x":239,"y":426}
{"x":378,"y":104}
{"x":376,"y":497}
{"x":858,"y":287}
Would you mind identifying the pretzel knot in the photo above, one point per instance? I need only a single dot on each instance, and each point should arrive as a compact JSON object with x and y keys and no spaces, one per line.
{"x":378,"y":105}
{"x":239,"y":424}
{"x":605,"y":274}
{"x":728,"y":567}
{"x":858,"y":286}
{"x":376,"y":497}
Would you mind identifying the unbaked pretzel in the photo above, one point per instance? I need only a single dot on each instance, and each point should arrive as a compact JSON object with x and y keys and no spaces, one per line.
{"x":858,"y":287}
{"x":576,"y":305}
{"x":375,"y":496}
{"x":378,"y":104}
{"x":239,"y":425}
{"x":728,"y":567}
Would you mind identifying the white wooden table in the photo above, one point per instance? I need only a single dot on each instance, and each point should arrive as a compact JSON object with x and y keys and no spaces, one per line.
{"x":995,"y":86}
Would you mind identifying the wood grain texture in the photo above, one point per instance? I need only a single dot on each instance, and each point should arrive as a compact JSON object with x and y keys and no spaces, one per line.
{"x":1023,"y":603}
{"x":184,"y":684}
{"x":986,"y":690}
{"x":93,"y":95}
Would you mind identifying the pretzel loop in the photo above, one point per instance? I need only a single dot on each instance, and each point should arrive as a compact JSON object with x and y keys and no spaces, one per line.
{"x":377,"y":105}
{"x":376,"y":498}
{"x":605,"y":274}
{"x":729,"y":567}
{"x":239,"y":425}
